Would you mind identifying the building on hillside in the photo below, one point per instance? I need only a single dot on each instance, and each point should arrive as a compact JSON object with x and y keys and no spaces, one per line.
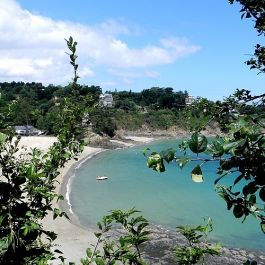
{"x":106,"y":100}
{"x":56,"y":100}
{"x":27,"y":130}
{"x":189,"y":100}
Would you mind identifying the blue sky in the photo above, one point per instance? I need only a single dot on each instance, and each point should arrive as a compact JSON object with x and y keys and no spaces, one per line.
{"x":198,"y":46}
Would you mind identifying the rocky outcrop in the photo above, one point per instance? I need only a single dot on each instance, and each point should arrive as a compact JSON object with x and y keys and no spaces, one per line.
{"x":159,"y":250}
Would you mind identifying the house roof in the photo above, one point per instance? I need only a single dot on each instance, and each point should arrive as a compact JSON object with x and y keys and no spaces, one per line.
{"x":24,"y":127}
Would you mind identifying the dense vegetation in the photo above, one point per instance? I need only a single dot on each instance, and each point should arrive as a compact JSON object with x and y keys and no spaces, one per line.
{"x":155,"y":98}
{"x":38,"y":105}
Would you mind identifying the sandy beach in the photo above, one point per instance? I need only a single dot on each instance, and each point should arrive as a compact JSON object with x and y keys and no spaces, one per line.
{"x":73,"y":239}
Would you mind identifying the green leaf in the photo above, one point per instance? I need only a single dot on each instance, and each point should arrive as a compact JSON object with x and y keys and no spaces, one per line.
{"x":58,"y":251}
{"x":25,"y":231}
{"x":156,"y":162}
{"x":4,"y":244}
{"x":229,"y":147}
{"x":219,"y":178}
{"x":1,"y":219}
{"x":196,"y":174}
{"x":252,"y":199}
{"x":216,"y":149}
{"x":182,"y":161}
{"x":56,"y":213}
{"x":2,"y":138}
{"x":60,"y":198}
{"x":99,"y":225}
{"x":262,"y":226}
{"x":145,"y":151}
{"x":97,"y":235}
{"x":198,"y":143}
{"x":238,"y":179}
{"x":226,"y":164}
{"x":168,"y":154}
{"x":262,"y":194}
{"x":89,"y":252}
{"x":238,"y":211}
{"x":99,"y":261}
{"x":31,"y":172}
{"x":153,"y":159}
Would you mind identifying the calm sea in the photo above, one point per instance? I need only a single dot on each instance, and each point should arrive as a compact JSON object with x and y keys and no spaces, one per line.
{"x":169,"y":199}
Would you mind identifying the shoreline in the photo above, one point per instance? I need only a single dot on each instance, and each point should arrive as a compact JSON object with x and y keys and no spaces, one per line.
{"x":74,"y":237}
{"x":68,"y":176}
{"x":68,"y":172}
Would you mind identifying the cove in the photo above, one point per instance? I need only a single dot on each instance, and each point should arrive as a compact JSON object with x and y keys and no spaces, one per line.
{"x":168,"y":199}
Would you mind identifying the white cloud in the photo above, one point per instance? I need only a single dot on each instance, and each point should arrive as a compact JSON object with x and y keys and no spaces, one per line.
{"x":32,"y":47}
{"x":179,"y":46}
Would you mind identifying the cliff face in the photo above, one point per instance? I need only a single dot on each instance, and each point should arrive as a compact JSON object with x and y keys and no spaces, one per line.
{"x":125,"y":138}
{"x":173,"y":131}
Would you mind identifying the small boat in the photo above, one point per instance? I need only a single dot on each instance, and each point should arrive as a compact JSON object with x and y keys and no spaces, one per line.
{"x":101,"y":177}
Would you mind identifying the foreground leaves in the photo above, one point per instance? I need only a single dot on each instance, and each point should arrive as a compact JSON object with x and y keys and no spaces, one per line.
{"x":196,"y":248}
{"x":198,"y":143}
{"x":27,"y":186}
{"x":196,"y":174}
{"x":127,"y":248}
{"x":239,"y":155}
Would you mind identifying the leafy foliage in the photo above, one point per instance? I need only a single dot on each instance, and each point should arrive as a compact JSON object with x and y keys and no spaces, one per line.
{"x":103,"y":122}
{"x":196,"y":174}
{"x":240,"y":153}
{"x":255,"y":10}
{"x":155,"y":98}
{"x":198,"y":115}
{"x":127,"y":248}
{"x":198,"y":143}
{"x":39,"y":106}
{"x":27,"y":185}
{"x":197,"y":247}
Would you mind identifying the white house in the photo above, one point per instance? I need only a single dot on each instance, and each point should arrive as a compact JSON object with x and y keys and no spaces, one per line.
{"x":189,"y":100}
{"x":27,"y":130}
{"x":106,"y":100}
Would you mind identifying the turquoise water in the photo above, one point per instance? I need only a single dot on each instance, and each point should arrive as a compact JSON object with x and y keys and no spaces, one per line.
{"x":169,"y":198}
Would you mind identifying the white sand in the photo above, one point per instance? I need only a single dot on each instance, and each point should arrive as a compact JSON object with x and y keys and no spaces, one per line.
{"x":122,"y":143}
{"x":140,"y":139}
{"x":41,"y":142}
{"x":72,"y":240}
